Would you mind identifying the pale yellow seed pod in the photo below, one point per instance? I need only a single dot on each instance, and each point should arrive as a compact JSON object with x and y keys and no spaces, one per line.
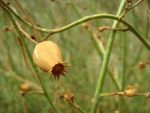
{"x":47,"y":56}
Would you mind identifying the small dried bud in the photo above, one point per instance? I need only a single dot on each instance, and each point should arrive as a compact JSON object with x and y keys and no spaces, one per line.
{"x":117,"y":111}
{"x":26,"y":18}
{"x":7,"y":28}
{"x":130,"y":91}
{"x":129,"y":3}
{"x":103,"y":28}
{"x":147,"y":94}
{"x":86,"y":25}
{"x":24,"y":88}
{"x":47,"y":57}
{"x":141,"y":65}
{"x":68,"y":97}
{"x":33,"y":37}
{"x":85,"y":8}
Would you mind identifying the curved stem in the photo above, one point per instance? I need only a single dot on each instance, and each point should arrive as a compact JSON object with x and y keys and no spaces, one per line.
{"x":99,"y":16}
{"x":82,"y":20}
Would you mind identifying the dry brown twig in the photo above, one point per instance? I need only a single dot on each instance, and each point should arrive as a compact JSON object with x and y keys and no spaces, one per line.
{"x":103,"y":28}
{"x":70,"y":99}
{"x":130,"y":6}
{"x":129,"y":92}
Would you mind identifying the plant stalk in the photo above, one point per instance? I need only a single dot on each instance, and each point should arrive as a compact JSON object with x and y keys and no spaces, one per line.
{"x":103,"y":69}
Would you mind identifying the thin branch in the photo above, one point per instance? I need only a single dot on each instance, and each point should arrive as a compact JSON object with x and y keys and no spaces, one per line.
{"x":136,"y":4}
{"x":77,"y":107}
{"x":93,"y":17}
{"x":28,"y":18}
{"x":129,"y":6}
{"x":41,"y":82}
{"x":146,"y":94}
{"x":46,"y":93}
{"x":103,"y":69}
{"x":98,"y":16}
{"x":26,"y":34}
{"x":103,"y":28}
{"x":21,"y":19}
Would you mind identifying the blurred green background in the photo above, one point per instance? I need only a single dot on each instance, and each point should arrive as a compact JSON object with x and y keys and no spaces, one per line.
{"x":77,"y":48}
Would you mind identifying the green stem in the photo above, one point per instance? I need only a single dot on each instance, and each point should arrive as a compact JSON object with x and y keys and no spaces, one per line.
{"x":96,"y":45}
{"x":88,"y":18}
{"x":101,"y":54}
{"x":99,"y":49}
{"x":124,"y":51}
{"x":46,"y":93}
{"x":99,"y":16}
{"x":106,"y":60}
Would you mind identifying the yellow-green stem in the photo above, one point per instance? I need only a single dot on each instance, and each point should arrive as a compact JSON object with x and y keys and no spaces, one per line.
{"x":103,"y":69}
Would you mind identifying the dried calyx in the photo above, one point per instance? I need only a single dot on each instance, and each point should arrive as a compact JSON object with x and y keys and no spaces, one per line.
{"x":47,"y":56}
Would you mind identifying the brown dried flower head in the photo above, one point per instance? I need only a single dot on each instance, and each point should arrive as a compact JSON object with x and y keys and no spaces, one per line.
{"x":47,"y":56}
